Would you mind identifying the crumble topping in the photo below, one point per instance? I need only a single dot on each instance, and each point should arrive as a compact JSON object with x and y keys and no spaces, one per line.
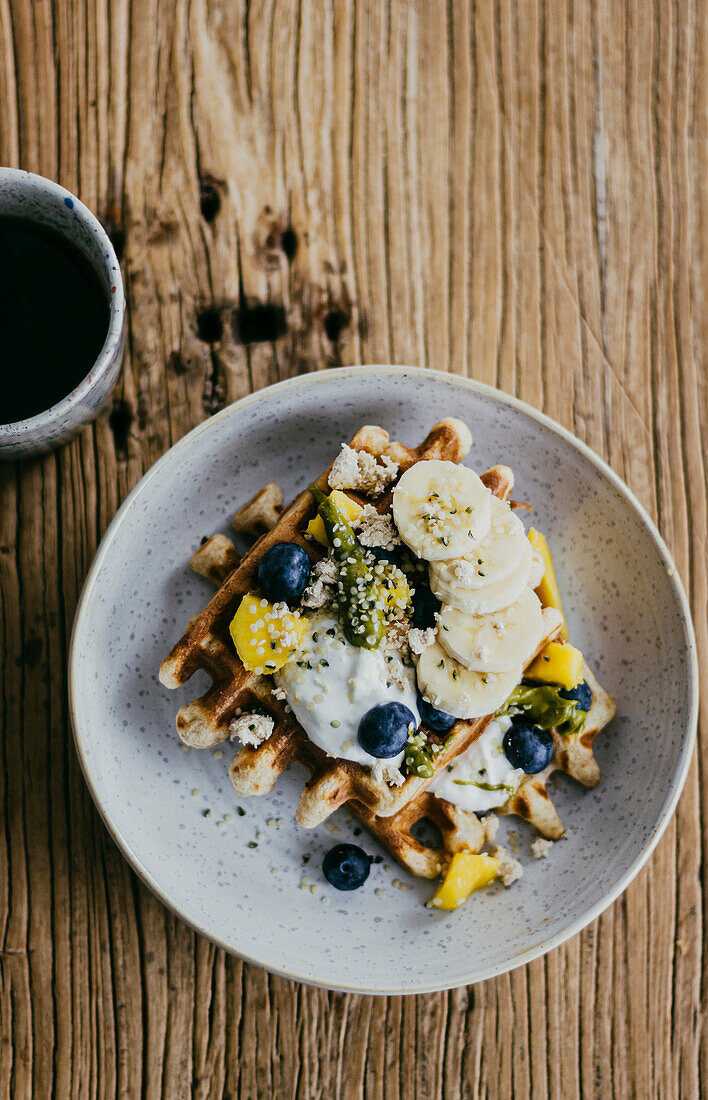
{"x":361,"y":471}
{"x":396,"y":641}
{"x":491,"y":827}
{"x":374,"y":529}
{"x":320,"y":590}
{"x":541,"y":847}
{"x":464,"y":571}
{"x":317,"y":594}
{"x":419,"y":640}
{"x":509,"y":868}
{"x":251,"y":729}
{"x":327,"y":570}
{"x":279,"y":694}
{"x":385,"y":771}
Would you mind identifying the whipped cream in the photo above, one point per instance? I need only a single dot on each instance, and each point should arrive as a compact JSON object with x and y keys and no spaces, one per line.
{"x":483,"y":762}
{"x":331,"y":684}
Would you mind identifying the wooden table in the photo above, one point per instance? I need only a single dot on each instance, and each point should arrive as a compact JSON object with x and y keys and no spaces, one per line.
{"x":513,"y":190}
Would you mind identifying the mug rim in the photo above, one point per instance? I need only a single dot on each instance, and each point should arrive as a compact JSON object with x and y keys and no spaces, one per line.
{"x":18,"y":429}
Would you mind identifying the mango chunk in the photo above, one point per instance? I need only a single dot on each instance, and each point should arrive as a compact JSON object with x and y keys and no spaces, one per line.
{"x":548,"y":591}
{"x":349,"y":509}
{"x":559,"y":663}
{"x":399,"y":594}
{"x":468,"y":871}
{"x":265,"y":635}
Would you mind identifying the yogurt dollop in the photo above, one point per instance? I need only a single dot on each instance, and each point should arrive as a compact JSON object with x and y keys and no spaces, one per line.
{"x":330,"y":684}
{"x":483,"y":762}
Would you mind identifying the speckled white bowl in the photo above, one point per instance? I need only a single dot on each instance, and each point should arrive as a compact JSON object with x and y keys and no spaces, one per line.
{"x":627,"y":611}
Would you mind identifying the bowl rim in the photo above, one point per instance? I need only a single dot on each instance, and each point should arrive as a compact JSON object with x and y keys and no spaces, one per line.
{"x":17,"y":430}
{"x":536,"y":950}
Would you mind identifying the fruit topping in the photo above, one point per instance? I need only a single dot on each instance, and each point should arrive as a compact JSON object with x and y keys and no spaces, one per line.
{"x":528,"y":747}
{"x":433,"y":718}
{"x":265,"y":635}
{"x":547,"y":590}
{"x":392,"y":583}
{"x":455,"y":689}
{"x":283,"y":572}
{"x":441,"y":509}
{"x":492,"y":559}
{"x":384,"y":729}
{"x":494,"y":642}
{"x":425,"y":607}
{"x":467,"y":872}
{"x":581,"y":694}
{"x":450,"y":585}
{"x":559,"y":663}
{"x":346,"y":866}
{"x":349,"y":509}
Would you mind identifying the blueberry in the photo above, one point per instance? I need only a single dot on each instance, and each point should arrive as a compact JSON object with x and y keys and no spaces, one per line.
{"x":581,"y":694}
{"x":283,"y":572}
{"x":434,"y":719}
{"x":528,"y":747}
{"x":425,"y":607}
{"x":383,"y":731}
{"x":346,"y":866}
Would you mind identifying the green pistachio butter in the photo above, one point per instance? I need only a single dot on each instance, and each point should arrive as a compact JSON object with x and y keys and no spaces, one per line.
{"x":420,"y":755}
{"x":359,"y":596}
{"x":545,"y":707}
{"x":485,"y":786}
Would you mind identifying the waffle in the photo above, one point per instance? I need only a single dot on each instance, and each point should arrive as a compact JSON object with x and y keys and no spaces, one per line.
{"x":207,"y":645}
{"x":458,"y":830}
{"x":574,"y":756}
{"x":256,"y":770}
{"x":462,"y":829}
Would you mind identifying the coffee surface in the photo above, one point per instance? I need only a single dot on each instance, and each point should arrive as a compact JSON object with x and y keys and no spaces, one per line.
{"x":54,"y":316}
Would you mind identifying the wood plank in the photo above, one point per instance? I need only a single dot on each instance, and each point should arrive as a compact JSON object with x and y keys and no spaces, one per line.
{"x":509,"y":191}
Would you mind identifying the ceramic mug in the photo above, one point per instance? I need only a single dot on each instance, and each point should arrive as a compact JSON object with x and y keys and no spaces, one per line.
{"x":33,"y":197}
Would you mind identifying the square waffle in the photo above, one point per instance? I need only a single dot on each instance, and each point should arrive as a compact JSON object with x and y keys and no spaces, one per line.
{"x":207,"y":645}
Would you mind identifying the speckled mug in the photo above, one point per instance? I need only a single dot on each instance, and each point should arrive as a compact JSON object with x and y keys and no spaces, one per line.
{"x":48,"y":203}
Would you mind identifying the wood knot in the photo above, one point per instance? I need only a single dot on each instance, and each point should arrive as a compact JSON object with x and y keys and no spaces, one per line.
{"x":260,"y":323}
{"x":210,"y":327}
{"x":119,"y":421}
{"x":210,"y":197}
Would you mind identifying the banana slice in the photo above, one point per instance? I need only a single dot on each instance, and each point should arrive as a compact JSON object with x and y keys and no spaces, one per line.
{"x":495,"y":642}
{"x":441,"y":510}
{"x":496,"y":557}
{"x":538,"y":569}
{"x":453,"y":688}
{"x":493,"y":597}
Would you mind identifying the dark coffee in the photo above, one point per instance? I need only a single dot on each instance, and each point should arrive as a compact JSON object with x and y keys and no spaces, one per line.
{"x":54,"y":316}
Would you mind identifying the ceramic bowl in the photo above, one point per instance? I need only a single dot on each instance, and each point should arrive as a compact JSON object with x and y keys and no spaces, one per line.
{"x":240,"y":871}
{"x":26,"y":195}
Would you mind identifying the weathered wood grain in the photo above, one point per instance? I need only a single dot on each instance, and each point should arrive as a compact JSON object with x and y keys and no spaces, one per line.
{"x":512,"y":190}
